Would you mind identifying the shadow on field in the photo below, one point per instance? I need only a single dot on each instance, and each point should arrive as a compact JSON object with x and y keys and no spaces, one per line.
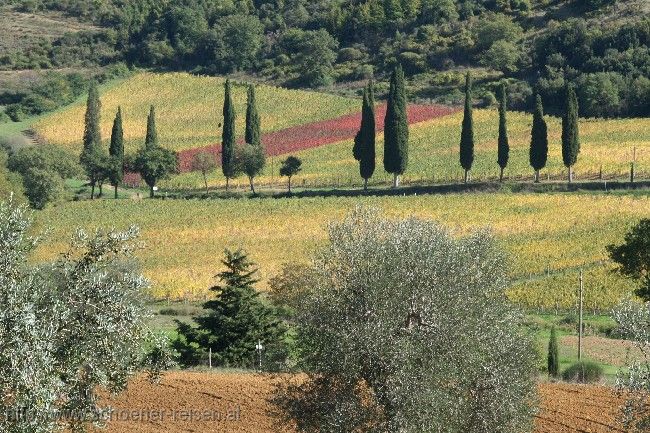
{"x":412,"y":190}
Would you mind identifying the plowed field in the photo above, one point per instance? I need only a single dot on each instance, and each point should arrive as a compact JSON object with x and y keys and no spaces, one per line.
{"x":229,"y":402}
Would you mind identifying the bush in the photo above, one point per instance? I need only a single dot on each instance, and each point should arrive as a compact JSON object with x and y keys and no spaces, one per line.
{"x":583,"y":372}
{"x":42,"y":187}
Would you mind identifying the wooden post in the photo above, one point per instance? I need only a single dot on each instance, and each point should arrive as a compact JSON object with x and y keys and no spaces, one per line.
{"x":580,"y":318}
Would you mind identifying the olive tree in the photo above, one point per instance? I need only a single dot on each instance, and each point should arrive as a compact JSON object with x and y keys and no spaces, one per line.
{"x":405,"y":328}
{"x":69,"y":327}
{"x":634,"y":382}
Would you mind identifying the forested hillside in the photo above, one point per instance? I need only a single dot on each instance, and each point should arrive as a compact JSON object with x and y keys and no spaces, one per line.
{"x":601,"y":45}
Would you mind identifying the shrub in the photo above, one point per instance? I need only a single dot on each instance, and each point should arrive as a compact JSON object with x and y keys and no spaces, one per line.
{"x":583,"y":372}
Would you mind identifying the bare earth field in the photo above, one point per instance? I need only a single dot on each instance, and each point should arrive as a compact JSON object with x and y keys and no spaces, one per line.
{"x":238,"y":402}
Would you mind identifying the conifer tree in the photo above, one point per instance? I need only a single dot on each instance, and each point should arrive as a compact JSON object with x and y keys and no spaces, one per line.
{"x":228,"y":136}
{"x":396,"y":129}
{"x":364,"y":142}
{"x":236,"y":318}
{"x":116,"y":151}
{"x":151,"y":139}
{"x":467,"y":132}
{"x":538,"y":139}
{"x":503,"y":146}
{"x":253,"y":121}
{"x":553,"y":355}
{"x":570,"y":133}
{"x":154,"y":162}
{"x":91,"y":155}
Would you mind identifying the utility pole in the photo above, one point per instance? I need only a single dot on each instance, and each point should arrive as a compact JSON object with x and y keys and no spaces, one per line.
{"x":580,"y":318}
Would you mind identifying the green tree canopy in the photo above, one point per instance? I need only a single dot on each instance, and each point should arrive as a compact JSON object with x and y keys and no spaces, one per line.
{"x":396,"y":129}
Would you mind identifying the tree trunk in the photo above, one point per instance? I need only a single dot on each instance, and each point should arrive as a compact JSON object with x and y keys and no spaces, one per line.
{"x":205,"y":180}
{"x":289,"y":184}
{"x":395,"y":180}
{"x":536,"y":176}
{"x":501,"y":175}
{"x":466,"y":179}
{"x":365,"y":184}
{"x":92,"y":191}
{"x":116,"y":191}
{"x":250,"y":180}
{"x":151,"y":192}
{"x":570,"y":174}
{"x":227,"y":183}
{"x":101,"y":189}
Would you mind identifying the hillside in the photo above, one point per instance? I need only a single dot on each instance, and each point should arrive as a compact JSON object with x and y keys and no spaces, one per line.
{"x":188,"y":110}
{"x":543,"y":233}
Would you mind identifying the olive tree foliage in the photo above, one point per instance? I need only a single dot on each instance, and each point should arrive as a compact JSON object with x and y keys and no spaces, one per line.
{"x":404,"y":328}
{"x":69,"y":327}
{"x":634,"y":382}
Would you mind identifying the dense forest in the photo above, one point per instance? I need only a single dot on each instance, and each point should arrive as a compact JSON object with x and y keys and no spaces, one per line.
{"x":534,"y":45}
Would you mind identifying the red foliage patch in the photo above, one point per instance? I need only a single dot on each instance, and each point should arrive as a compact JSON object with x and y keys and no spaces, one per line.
{"x":320,"y":133}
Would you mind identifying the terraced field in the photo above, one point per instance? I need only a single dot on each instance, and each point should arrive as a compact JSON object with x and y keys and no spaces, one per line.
{"x":543,"y":233}
{"x":564,"y":408}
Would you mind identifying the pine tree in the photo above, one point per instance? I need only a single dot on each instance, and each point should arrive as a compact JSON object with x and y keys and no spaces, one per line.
{"x":116,"y":151}
{"x":570,"y":134}
{"x":396,"y":129}
{"x":228,"y":136}
{"x":236,"y":318}
{"x":151,"y":139}
{"x":253,"y":121}
{"x":503,"y":146}
{"x":467,"y":133}
{"x":538,"y":139}
{"x":553,"y":355}
{"x":92,"y":139}
{"x":364,"y":142}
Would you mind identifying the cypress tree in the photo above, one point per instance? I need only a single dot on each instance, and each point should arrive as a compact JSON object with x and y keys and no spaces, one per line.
{"x":364,"y":142}
{"x":116,"y":151}
{"x":151,"y":139}
{"x":503,"y":146}
{"x":553,"y":355}
{"x":467,"y":132}
{"x":570,"y":134}
{"x":538,"y":139}
{"x":396,"y":129}
{"x":92,"y":138}
{"x":228,"y":136}
{"x":253,"y":121}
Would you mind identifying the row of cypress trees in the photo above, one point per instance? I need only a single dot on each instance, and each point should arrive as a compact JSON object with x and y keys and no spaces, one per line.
{"x":254,"y":156}
{"x":152,"y":162}
{"x":396,"y":133}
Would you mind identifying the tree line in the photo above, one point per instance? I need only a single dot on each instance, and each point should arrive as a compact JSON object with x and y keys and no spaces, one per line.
{"x":155,"y":163}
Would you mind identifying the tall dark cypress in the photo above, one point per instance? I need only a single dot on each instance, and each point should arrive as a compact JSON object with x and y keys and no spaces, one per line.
{"x":396,"y":129}
{"x":151,"y":139}
{"x":553,"y":360}
{"x":116,"y":151}
{"x":364,"y":142}
{"x":92,"y":138}
{"x":570,"y":134}
{"x":228,"y":136}
{"x":467,"y":132}
{"x":503,"y":146}
{"x":253,"y":120}
{"x":538,"y":139}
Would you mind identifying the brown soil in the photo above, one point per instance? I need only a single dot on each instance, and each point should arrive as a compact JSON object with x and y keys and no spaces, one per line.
{"x":238,"y":403}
